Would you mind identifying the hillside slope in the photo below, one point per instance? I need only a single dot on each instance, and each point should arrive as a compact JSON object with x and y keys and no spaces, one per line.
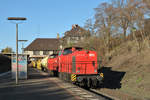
{"x":136,"y":81}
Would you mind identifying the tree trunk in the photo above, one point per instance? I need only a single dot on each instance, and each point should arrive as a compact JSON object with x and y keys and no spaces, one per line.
{"x":124,"y":34}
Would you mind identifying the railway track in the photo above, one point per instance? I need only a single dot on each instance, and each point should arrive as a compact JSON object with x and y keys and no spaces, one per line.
{"x":108,"y":97}
{"x":81,"y":93}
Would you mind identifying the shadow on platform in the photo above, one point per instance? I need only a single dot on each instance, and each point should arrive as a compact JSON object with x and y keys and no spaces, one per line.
{"x":40,"y":90}
{"x":37,"y":76}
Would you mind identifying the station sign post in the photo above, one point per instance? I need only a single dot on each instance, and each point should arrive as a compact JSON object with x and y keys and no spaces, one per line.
{"x":22,"y":66}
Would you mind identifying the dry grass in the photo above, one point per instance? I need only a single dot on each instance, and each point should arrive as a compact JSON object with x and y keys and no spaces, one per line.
{"x":136,"y":81}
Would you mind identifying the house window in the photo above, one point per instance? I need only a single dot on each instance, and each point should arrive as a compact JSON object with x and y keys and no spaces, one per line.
{"x":45,"y":52}
{"x":76,"y":38}
{"x":36,"y":52}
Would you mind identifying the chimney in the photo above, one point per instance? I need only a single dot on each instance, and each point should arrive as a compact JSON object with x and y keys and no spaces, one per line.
{"x":74,"y":26}
{"x":57,"y":35}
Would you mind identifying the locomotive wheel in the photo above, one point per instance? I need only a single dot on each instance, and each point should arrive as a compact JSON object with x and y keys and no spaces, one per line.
{"x":68,"y":77}
{"x":89,"y":83}
{"x":51,"y":73}
{"x":94,"y":83}
{"x":55,"y":73}
{"x":45,"y":69}
{"x":64,"y":76}
{"x":60,"y":75}
{"x":42,"y":68}
{"x":85,"y":84}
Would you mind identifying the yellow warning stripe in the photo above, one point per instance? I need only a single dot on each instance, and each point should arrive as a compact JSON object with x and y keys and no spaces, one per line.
{"x":73,"y":77}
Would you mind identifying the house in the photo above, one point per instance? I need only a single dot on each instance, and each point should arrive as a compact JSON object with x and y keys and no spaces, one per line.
{"x":41,"y":47}
{"x":74,"y":35}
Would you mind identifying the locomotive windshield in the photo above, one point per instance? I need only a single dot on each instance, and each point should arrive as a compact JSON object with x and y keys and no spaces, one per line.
{"x":53,"y":56}
{"x":67,"y":51}
{"x":78,"y":48}
{"x":70,"y":50}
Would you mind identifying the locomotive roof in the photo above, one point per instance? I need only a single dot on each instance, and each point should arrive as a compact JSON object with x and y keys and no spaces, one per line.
{"x":73,"y":47}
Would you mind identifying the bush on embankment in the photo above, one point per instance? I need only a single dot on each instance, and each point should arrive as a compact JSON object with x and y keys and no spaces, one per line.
{"x":5,"y":63}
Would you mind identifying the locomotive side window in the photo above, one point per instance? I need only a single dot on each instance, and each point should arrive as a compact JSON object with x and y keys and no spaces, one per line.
{"x":67,"y":51}
{"x":78,"y":48}
{"x":60,"y":52}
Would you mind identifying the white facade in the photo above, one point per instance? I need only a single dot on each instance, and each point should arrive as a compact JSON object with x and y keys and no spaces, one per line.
{"x":41,"y":54}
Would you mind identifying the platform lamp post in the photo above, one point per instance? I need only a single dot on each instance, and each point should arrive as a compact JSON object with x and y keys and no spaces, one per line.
{"x":16,"y":19}
{"x":23,"y":41}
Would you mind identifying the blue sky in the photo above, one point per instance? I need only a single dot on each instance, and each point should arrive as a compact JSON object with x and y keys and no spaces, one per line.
{"x":45,"y":18}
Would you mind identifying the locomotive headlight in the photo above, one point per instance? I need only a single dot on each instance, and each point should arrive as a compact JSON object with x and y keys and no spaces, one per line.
{"x":101,"y":74}
{"x":92,"y":55}
{"x":95,"y":70}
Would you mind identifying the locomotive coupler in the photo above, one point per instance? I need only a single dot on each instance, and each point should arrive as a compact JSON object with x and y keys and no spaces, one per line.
{"x":100,"y":77}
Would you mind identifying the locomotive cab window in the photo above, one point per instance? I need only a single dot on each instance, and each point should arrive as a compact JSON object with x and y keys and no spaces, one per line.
{"x":53,"y":56}
{"x":67,"y":51}
{"x":60,"y":52}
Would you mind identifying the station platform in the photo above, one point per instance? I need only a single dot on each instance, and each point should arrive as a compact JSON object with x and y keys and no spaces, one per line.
{"x":38,"y":86}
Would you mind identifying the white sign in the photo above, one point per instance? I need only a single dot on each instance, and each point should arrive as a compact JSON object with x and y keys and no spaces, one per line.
{"x":22,"y":66}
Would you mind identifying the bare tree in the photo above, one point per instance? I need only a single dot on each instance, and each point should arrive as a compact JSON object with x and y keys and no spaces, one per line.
{"x":123,"y":20}
{"x":88,"y":25}
{"x":105,"y":18}
{"x":139,"y":20}
{"x":119,"y":16}
{"x":147,"y":6}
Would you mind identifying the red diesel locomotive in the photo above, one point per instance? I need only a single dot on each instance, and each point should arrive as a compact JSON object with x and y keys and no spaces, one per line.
{"x":53,"y":65}
{"x":78,"y":66}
